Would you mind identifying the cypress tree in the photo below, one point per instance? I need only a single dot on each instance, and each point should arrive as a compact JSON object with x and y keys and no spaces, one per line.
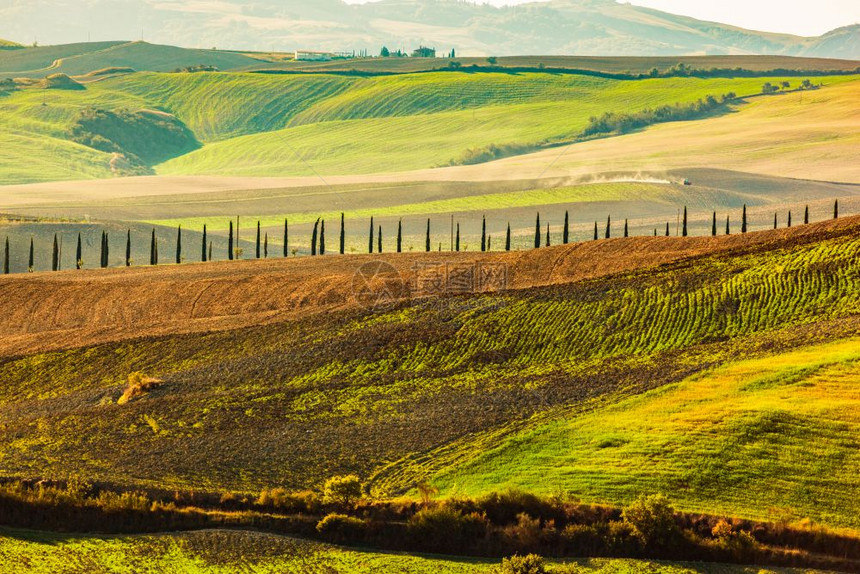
{"x":684,"y":230}
{"x":209,"y":258}
{"x":229,"y":242}
{"x":179,"y":245}
{"x":484,"y":234}
{"x":266,"y":246}
{"x":714,"y":225}
{"x":836,"y":210}
{"x":257,"y":252}
{"x":728,"y":227}
{"x":626,"y":232}
{"x":322,"y":237}
{"x":400,"y":236}
{"x":744,"y":220}
{"x":153,"y":247}
{"x":128,"y":248}
{"x":427,"y":241}
{"x":489,"y":243}
{"x":565,"y":234}
{"x":370,"y":237}
{"x":547,"y":234}
{"x":457,"y":244}
{"x":203,"y":252}
{"x":508,"y":238}
{"x":789,"y":218}
{"x":537,"y":232}
{"x":342,"y":235}
{"x":806,"y":216}
{"x":655,"y":232}
{"x":314,"y":236}
{"x":608,"y":227}
{"x":32,"y":261}
{"x":774,"y":221}
{"x":595,"y":231}
{"x":79,"y":253}
{"x":286,"y":238}
{"x":107,"y":251}
{"x":667,"y":229}
{"x":101,"y":252}
{"x":6,"y":258}
{"x":379,"y":241}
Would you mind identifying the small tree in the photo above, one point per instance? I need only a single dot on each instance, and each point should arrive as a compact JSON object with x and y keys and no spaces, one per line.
{"x":343,"y":491}
{"x":266,"y":246}
{"x":789,"y":218}
{"x":79,"y":252}
{"x":775,"y":221}
{"x":384,"y":53}
{"x":626,"y":231}
{"x":400,"y":236}
{"x":484,"y":233}
{"x":457,"y":242}
{"x":653,"y":519}
{"x":529,"y":564}
{"x":179,"y":245}
{"x":492,"y":60}
{"x":370,"y":237}
{"x":32,"y":261}
{"x":836,"y":210}
{"x":257,"y":244}
{"x":537,"y":232}
{"x":806,"y":216}
{"x":608,"y":227}
{"x":322,"y":237}
{"x":547,"y":235}
{"x":229,"y":242}
{"x":684,"y":228}
{"x":314,"y":236}
{"x":595,"y":231}
{"x":55,"y":254}
{"x":667,"y":229}
{"x":203,"y":257}
{"x":379,"y":241}
{"x":6,"y":262}
{"x":342,"y":234}
{"x":508,"y":238}
{"x":728,"y":226}
{"x":427,"y":239}
{"x":714,"y":225}
{"x":565,"y":233}
{"x":744,"y":220}
{"x":286,"y":238}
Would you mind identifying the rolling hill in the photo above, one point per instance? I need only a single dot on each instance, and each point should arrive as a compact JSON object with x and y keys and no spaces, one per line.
{"x":391,"y":392}
{"x":583,"y":27}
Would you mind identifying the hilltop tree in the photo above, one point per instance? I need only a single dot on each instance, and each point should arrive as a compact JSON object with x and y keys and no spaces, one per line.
{"x":79,"y":253}
{"x":806,"y":216}
{"x":379,"y":241}
{"x":547,"y":235}
{"x":6,"y":258}
{"x":229,"y":242}
{"x":836,"y":210}
{"x":684,"y":228}
{"x":484,"y":234}
{"x":400,"y":236}
{"x":31,"y":263}
{"x":508,"y":238}
{"x":427,"y":240}
{"x":667,"y":229}
{"x":595,"y":231}
{"x":322,"y":237}
{"x":153,"y":247}
{"x":203,"y":252}
{"x":626,"y":231}
{"x":565,"y":233}
{"x":103,"y":258}
{"x":714,"y":225}
{"x":457,"y":243}
{"x":257,"y":244}
{"x":179,"y":245}
{"x":537,"y":232}
{"x":744,"y":220}
{"x":370,"y":237}
{"x":286,"y":238}
{"x":314,"y":236}
{"x":789,"y":218}
{"x":728,"y":227}
{"x":608,"y":227}
{"x":775,"y":221}
{"x":342,"y":234}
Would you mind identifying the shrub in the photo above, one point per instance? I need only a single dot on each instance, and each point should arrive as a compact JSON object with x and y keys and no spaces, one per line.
{"x":341,"y":528}
{"x":280,"y":499}
{"x":622,"y":538}
{"x":529,"y":564}
{"x":343,"y":491}
{"x":138,"y":385}
{"x":653,"y":519}
{"x":581,"y":540}
{"x":446,"y":529}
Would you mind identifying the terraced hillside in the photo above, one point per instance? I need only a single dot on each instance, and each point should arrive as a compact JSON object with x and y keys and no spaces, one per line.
{"x":308,"y":384}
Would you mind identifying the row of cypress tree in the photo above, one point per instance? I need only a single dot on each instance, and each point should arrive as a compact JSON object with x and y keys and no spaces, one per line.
{"x":318,"y":240}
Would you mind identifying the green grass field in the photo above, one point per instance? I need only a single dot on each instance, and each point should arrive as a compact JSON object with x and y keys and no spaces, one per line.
{"x":217,"y":552}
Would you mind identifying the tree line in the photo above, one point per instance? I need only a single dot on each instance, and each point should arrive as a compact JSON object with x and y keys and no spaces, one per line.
{"x":542,"y":238}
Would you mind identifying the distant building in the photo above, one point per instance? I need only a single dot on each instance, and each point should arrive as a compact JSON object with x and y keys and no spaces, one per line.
{"x":424,"y":52}
{"x":309,"y":56}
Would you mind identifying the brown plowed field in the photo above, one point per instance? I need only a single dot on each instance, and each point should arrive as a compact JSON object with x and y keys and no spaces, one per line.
{"x":51,"y":311}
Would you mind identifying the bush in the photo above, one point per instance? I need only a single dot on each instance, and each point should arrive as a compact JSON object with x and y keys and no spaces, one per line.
{"x":342,"y":491}
{"x":529,"y":564}
{"x":446,"y":529}
{"x":653,"y":519}
{"x":581,"y":540}
{"x":341,"y":528}
{"x":138,"y":386}
{"x":290,"y":502}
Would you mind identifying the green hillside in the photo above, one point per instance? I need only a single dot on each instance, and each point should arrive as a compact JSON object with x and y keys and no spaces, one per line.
{"x":217,"y":552}
{"x":41,"y":58}
{"x":8,"y":45}
{"x":381,"y":393}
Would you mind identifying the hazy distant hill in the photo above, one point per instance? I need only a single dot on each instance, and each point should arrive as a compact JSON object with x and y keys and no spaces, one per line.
{"x":584,"y":27}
